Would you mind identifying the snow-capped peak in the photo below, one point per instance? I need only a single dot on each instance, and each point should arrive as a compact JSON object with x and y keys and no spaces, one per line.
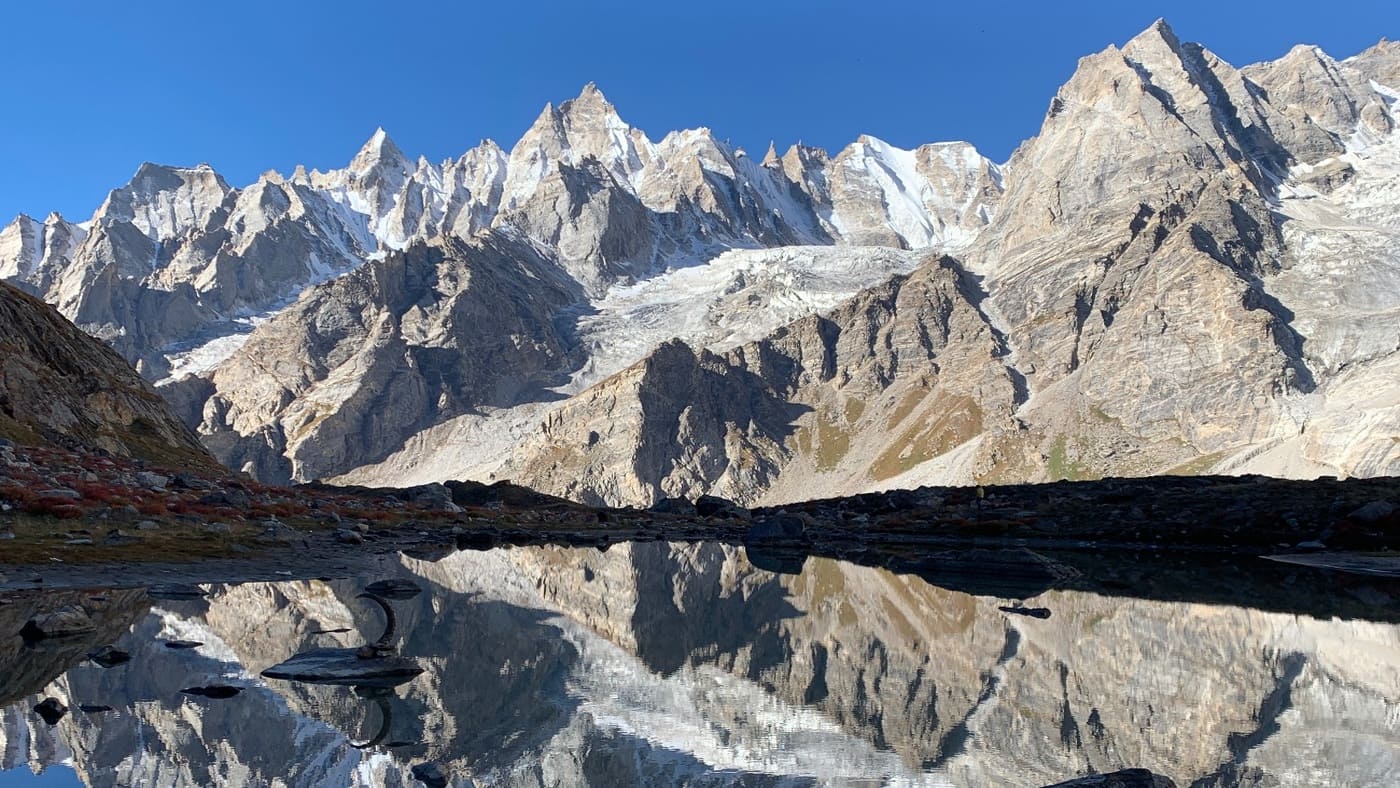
{"x":379,"y":152}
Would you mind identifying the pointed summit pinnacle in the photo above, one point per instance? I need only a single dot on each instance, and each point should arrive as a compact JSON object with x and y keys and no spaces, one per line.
{"x":1157,"y":32}
{"x":379,"y":143}
{"x":590,"y":97}
{"x":379,"y":149}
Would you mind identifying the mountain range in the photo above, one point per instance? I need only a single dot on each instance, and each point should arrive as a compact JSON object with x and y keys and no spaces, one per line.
{"x":1192,"y":268}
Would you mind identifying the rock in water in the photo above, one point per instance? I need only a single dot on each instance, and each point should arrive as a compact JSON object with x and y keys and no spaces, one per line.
{"x":109,"y":657}
{"x":182,"y":644}
{"x":1031,"y":612}
{"x":343,"y":666}
{"x":51,"y":710}
{"x":430,"y":774}
{"x":174,"y":590}
{"x":215,"y":691}
{"x":394,"y":589}
{"x":1127,"y":778}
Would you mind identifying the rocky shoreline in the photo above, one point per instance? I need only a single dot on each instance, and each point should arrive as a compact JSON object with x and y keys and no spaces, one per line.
{"x":78,"y":519}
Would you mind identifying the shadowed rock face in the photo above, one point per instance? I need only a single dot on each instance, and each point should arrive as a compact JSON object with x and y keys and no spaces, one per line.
{"x":662,"y":664}
{"x":60,"y":385}
{"x":360,"y":364}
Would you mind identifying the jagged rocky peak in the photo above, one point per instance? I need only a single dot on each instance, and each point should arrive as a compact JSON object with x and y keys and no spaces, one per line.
{"x":361,"y":363}
{"x":584,"y":128}
{"x":21,"y":247}
{"x":594,"y":129}
{"x":1132,"y":126}
{"x":169,"y":202}
{"x":27,"y":246}
{"x":379,"y":154}
{"x":1311,"y":87}
{"x":1380,"y":63}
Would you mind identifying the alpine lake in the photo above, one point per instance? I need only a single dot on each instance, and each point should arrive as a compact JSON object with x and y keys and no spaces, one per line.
{"x":708,"y":664}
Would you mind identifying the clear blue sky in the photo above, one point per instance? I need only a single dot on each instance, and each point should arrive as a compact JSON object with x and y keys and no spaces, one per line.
{"x":95,"y":88}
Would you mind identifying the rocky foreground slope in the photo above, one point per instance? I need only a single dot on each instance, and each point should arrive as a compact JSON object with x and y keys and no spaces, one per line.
{"x":61,"y":386}
{"x":1190,"y":268}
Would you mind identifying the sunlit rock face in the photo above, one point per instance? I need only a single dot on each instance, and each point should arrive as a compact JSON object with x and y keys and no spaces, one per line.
{"x":662,"y":664}
{"x":1190,"y":268}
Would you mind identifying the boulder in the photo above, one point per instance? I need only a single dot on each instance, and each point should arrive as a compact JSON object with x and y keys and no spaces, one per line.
{"x":347,"y":536}
{"x":109,"y":657}
{"x":714,"y":506}
{"x":51,"y":710}
{"x":777,"y":528}
{"x":674,"y":506}
{"x":152,"y":481}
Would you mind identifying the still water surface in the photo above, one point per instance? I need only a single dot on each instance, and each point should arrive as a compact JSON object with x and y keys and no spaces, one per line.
{"x":683,"y":664}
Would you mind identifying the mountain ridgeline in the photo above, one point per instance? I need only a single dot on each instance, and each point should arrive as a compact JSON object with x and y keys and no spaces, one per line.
{"x":1191,"y":268}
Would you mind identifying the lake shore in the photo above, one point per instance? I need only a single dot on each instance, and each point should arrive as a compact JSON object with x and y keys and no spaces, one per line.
{"x":72,"y":519}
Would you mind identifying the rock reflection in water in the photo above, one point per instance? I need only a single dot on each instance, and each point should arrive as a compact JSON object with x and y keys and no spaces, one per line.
{"x":663,"y":664}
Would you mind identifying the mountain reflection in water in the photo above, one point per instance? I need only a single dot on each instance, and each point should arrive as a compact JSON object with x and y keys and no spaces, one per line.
{"x":683,"y":663}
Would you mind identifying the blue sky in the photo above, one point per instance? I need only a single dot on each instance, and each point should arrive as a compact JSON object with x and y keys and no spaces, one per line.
{"x":95,"y":88}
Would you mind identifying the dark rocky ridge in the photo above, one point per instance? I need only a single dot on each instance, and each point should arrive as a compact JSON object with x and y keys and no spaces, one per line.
{"x":1175,"y":538}
{"x":59,"y":385}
